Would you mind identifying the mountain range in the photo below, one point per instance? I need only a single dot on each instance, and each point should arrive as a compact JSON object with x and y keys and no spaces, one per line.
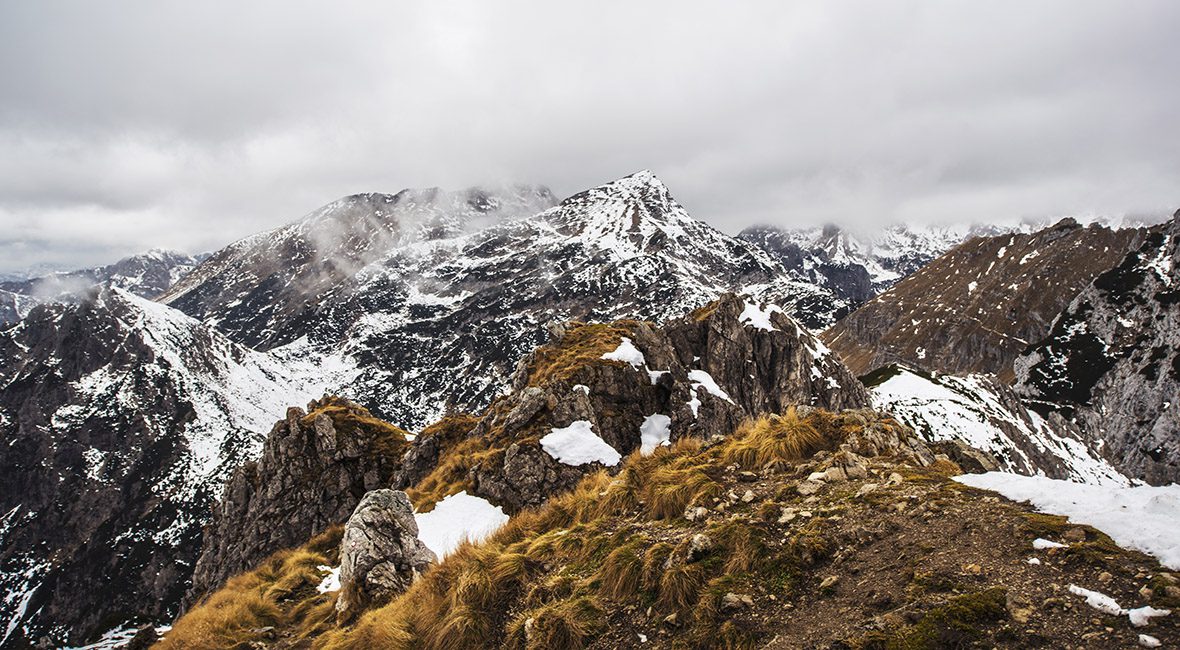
{"x":431,"y":318}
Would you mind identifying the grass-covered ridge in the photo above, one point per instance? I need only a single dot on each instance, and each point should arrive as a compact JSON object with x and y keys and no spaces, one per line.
{"x":730,"y":544}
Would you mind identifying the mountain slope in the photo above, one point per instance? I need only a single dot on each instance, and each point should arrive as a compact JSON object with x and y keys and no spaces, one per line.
{"x":853,"y":540}
{"x":855,"y":267}
{"x":431,"y":323}
{"x":623,"y":386}
{"x":120,"y":418}
{"x":974,"y":309}
{"x":147,"y":275}
{"x":1111,"y":363}
{"x":987,"y":415}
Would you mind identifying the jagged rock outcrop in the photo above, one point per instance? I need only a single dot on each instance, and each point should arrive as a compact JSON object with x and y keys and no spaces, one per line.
{"x":974,"y":309}
{"x":380,"y":553}
{"x":697,"y":376}
{"x":119,"y":419}
{"x":1111,"y":364}
{"x":315,"y":468}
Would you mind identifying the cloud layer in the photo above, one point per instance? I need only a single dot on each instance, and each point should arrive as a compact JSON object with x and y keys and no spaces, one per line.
{"x":186,"y":125}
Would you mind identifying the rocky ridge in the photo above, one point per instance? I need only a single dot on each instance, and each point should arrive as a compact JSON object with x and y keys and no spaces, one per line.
{"x":976,"y":308}
{"x":626,"y":386}
{"x":427,"y":323}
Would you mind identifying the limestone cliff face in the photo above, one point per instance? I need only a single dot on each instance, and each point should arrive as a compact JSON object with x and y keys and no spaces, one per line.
{"x":1111,"y":363}
{"x":974,"y":309}
{"x":315,"y":468}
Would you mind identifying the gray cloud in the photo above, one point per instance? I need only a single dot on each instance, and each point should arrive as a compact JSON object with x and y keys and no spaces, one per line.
{"x":144,"y":123}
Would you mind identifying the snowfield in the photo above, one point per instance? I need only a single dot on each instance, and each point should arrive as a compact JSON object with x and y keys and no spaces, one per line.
{"x":1145,"y":518}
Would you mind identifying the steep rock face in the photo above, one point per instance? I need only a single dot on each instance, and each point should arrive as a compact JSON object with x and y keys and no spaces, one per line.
{"x":974,"y":309}
{"x":119,"y":418}
{"x":424,"y":321}
{"x":1111,"y":363}
{"x":314,"y":469}
{"x":380,"y":553}
{"x":985,"y":414}
{"x":697,"y":376}
{"x":147,"y":275}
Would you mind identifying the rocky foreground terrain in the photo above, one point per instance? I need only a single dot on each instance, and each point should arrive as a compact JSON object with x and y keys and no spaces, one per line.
{"x":824,"y":525}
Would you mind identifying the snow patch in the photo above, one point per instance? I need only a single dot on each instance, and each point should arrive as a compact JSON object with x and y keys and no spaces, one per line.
{"x":457,"y":518}
{"x":702,"y":379}
{"x":331,"y":581}
{"x":627,"y":353}
{"x":577,"y":444}
{"x":759,"y":318}
{"x":656,"y":431}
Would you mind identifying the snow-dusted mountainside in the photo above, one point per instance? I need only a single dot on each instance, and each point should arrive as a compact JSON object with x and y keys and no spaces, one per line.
{"x":975,"y":308}
{"x":147,"y":274}
{"x":982,"y":412}
{"x":856,"y":266}
{"x":255,"y":289}
{"x":428,"y":321}
{"x":120,"y":419}
{"x":1111,"y":363}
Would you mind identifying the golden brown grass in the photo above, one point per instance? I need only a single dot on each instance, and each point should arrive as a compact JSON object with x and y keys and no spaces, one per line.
{"x":775,"y":439}
{"x":450,"y":475}
{"x":582,"y":344}
{"x":281,"y":591}
{"x":352,"y":419}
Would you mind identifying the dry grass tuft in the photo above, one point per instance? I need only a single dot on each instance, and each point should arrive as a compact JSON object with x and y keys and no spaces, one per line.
{"x":561,"y":624}
{"x":621,"y":575}
{"x":777,"y":438}
{"x":232,"y":615}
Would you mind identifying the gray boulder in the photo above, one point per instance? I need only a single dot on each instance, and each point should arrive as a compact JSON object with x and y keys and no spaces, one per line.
{"x":380,"y":554}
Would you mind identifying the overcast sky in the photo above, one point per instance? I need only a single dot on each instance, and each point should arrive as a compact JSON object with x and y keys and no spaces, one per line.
{"x":130,"y":125}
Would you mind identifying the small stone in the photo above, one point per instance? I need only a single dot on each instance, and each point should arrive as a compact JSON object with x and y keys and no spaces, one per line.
{"x":748,"y":477}
{"x":829,"y":581}
{"x":835,"y":474}
{"x":1148,"y":641}
{"x":894,"y":479}
{"x":1019,"y":608}
{"x":696,"y":514}
{"x":808,"y":488}
{"x":866,"y":489}
{"x":1105,"y":577}
{"x":736,"y":601}
{"x":972,"y":569}
{"x":748,"y":496}
{"x":700,"y":546}
{"x":1172,"y":591}
{"x":816,"y":476}
{"x":787,"y":516}
{"x":670,"y":619}
{"x":1146,"y":592}
{"x":1075,"y":534}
